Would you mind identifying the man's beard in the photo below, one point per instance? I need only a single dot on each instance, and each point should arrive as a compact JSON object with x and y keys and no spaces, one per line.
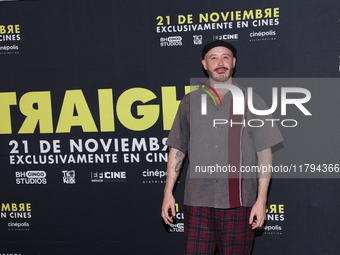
{"x":220,"y":79}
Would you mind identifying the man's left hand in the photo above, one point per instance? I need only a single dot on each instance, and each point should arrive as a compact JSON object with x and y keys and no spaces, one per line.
{"x":257,"y":215}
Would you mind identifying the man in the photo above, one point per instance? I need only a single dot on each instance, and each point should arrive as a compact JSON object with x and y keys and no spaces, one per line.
{"x":223,"y":204}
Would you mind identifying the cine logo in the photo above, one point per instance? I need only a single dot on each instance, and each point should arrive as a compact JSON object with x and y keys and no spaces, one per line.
{"x":239,"y":100}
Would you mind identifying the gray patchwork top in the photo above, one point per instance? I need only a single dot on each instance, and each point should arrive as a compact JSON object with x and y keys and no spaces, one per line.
{"x":222,"y":148}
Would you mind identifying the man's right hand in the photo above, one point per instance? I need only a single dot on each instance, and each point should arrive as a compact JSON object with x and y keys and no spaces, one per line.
{"x":174,"y":165}
{"x":168,"y":208}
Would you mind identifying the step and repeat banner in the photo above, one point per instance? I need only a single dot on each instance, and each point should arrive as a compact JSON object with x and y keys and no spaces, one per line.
{"x":88,"y":94}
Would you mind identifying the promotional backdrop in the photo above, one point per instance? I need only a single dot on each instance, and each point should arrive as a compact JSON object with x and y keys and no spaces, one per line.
{"x":89,"y":91}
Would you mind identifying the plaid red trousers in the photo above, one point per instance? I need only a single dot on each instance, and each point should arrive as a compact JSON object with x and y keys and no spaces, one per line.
{"x":207,"y":230}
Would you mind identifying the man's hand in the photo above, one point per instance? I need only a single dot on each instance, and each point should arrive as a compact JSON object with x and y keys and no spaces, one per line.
{"x":168,"y":208}
{"x":257,"y":215}
{"x":258,"y":212}
{"x":175,"y":161}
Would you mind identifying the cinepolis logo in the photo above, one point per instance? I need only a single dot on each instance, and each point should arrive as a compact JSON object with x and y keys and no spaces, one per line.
{"x":239,"y":103}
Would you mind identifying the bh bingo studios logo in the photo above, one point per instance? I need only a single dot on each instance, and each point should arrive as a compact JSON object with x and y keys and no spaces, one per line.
{"x":240,"y":101}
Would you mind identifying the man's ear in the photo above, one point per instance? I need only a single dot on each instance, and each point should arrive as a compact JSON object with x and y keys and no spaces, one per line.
{"x":203,"y":63}
{"x":234,"y":62}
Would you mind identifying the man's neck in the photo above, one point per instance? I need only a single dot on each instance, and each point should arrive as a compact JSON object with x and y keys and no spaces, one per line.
{"x":221,"y":91}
